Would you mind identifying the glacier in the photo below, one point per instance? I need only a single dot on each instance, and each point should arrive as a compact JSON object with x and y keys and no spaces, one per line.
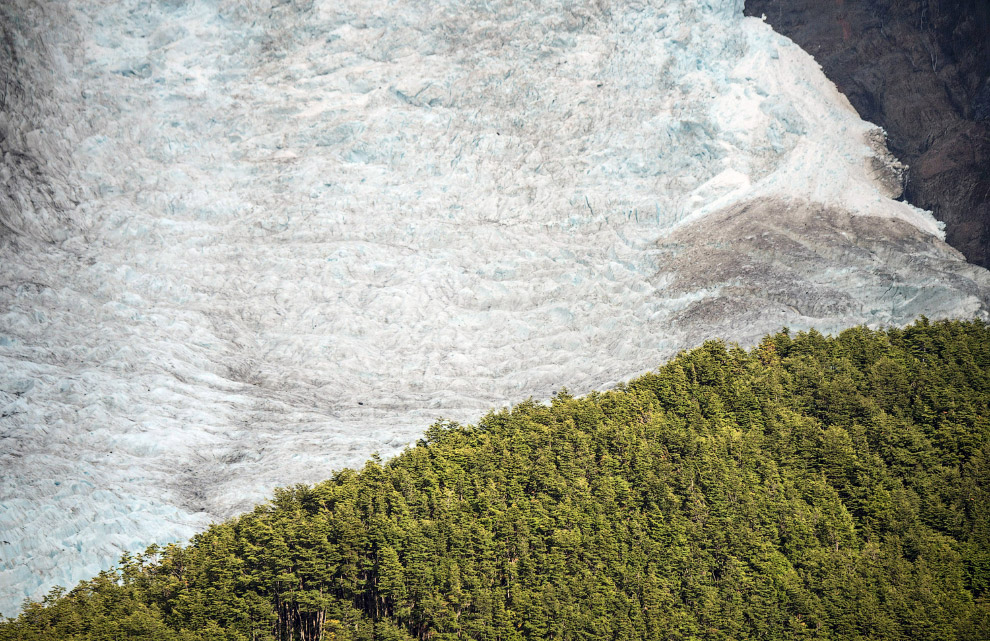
{"x":245,"y":243}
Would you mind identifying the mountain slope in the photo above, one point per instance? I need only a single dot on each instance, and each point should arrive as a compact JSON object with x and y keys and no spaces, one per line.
{"x":820,"y":488}
{"x":247,"y":243}
{"x":921,"y":70}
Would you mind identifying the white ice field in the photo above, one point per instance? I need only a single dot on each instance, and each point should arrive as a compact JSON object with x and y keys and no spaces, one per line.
{"x":245,"y":243}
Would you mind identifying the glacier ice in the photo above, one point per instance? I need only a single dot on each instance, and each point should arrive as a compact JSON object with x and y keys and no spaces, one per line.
{"x":248,"y":242}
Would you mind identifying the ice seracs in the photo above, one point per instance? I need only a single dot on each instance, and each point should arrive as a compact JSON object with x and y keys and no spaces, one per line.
{"x":282,"y":236}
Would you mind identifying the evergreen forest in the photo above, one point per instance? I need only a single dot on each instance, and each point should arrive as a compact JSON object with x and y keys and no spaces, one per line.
{"x":811,"y":487}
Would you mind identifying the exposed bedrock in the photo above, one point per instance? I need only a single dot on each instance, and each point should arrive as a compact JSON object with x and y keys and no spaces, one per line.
{"x":921,"y":70}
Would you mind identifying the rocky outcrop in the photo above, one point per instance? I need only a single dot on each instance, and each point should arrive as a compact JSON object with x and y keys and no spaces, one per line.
{"x":921,"y":70}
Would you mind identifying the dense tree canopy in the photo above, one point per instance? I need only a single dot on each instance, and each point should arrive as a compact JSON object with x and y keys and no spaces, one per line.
{"x":810,"y":488}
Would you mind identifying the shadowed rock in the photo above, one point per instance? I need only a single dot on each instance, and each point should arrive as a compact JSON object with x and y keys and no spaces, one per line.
{"x":921,"y":70}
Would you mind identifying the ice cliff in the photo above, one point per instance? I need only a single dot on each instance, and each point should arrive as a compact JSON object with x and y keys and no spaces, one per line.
{"x":245,"y":243}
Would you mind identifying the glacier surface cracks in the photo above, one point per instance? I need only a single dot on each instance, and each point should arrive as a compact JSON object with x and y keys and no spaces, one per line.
{"x":246,"y":243}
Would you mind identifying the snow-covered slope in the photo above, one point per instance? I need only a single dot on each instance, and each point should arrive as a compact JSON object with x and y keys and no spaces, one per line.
{"x":246,"y":243}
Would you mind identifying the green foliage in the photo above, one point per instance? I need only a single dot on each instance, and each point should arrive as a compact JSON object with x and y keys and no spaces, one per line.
{"x":811,"y":488}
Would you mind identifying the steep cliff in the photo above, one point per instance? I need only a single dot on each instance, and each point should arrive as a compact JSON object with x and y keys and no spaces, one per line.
{"x":921,"y":70}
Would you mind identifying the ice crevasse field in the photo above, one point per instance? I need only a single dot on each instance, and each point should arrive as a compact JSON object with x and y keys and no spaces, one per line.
{"x":245,"y":243}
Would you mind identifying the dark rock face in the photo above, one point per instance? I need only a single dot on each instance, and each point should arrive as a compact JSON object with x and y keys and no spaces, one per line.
{"x":921,"y":70}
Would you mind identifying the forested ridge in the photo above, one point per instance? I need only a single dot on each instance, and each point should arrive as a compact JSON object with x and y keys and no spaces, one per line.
{"x":809,"y":488}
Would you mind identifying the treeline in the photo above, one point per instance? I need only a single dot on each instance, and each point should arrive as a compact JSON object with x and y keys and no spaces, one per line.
{"x":810,"y":488}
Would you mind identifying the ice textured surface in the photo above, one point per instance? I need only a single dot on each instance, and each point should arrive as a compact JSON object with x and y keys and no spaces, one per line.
{"x":246,"y":243}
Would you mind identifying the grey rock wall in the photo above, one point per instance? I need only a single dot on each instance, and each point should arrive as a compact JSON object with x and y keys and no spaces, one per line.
{"x":921,"y":70}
